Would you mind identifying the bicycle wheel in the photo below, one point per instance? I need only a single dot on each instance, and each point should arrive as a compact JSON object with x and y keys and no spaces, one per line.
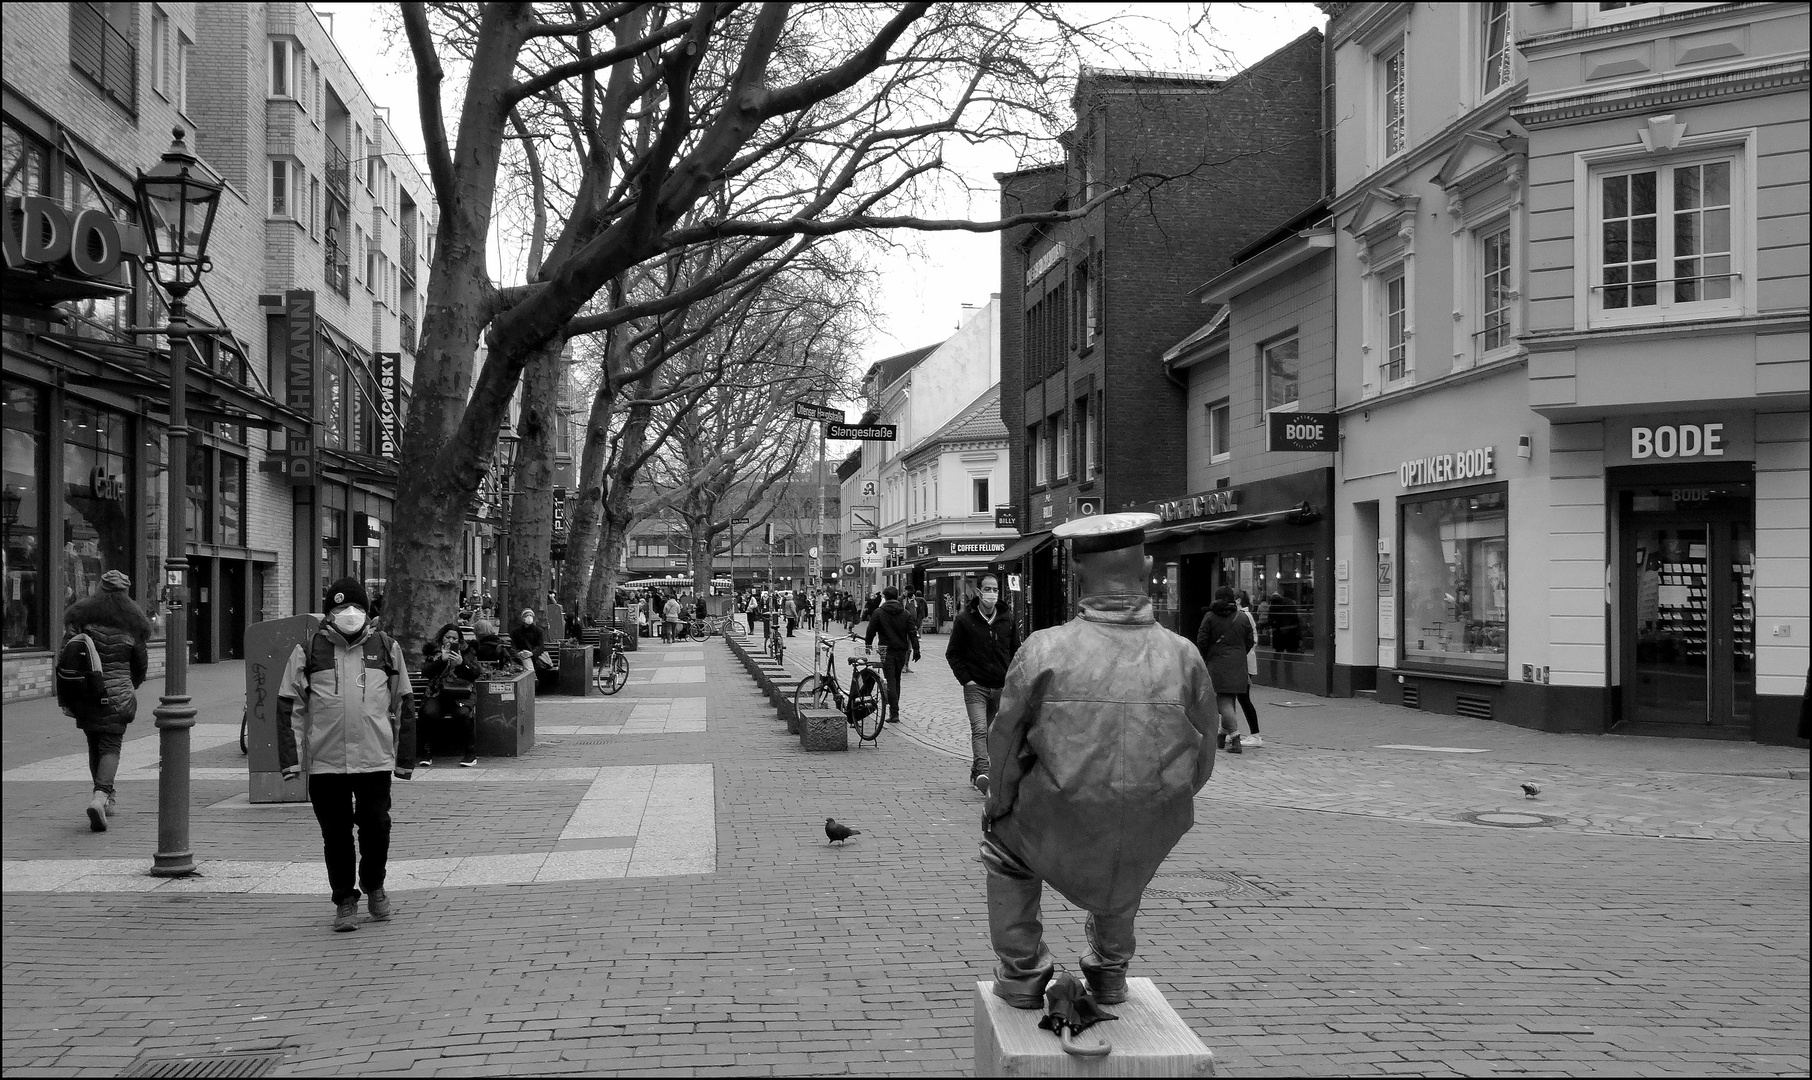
{"x":616,"y":674}
{"x":811,"y":693}
{"x":867,"y":707}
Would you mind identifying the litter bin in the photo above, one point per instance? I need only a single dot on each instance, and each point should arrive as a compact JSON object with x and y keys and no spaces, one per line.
{"x":575,"y":670}
{"x":506,"y":714}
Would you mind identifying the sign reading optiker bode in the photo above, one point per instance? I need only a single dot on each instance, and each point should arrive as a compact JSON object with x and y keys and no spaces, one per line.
{"x":1446,"y":468}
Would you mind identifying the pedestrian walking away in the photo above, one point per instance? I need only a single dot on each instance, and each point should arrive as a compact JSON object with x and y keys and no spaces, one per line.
{"x":792,"y":615}
{"x":348,"y":685}
{"x":899,"y":634}
{"x":983,"y":641}
{"x":448,"y":715}
{"x":1224,"y":639}
{"x":1245,"y":697}
{"x":1100,"y":747}
{"x":118,"y":630}
{"x":670,"y":612}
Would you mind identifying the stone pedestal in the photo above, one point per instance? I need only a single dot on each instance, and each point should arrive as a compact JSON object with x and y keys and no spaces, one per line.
{"x":1148,"y":1037}
{"x":823,"y":729}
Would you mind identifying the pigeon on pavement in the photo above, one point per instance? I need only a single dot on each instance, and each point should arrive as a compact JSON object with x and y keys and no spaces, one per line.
{"x":1530,"y":791}
{"x":839,"y":833}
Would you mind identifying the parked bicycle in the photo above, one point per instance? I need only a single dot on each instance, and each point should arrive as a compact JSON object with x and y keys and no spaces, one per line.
{"x":776,"y":643}
{"x":696,"y":629}
{"x":863,"y":705}
{"x":610,"y":672}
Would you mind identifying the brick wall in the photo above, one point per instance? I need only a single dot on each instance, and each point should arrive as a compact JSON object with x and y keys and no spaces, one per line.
{"x":1250,"y":148}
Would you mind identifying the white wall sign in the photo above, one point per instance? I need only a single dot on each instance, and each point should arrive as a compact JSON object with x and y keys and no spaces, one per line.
{"x":1446,"y":468}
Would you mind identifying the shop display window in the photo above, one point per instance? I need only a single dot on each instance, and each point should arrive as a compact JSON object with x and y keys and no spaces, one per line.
{"x":24,"y":522}
{"x":1281,"y":586}
{"x":154,"y":524}
{"x":1456,"y":583}
{"x":97,"y":525}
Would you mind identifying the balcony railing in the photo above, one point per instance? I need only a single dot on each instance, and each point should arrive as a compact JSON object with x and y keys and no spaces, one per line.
{"x":339,"y":171}
{"x":408,"y":255}
{"x":102,"y":53}
{"x":408,"y":336}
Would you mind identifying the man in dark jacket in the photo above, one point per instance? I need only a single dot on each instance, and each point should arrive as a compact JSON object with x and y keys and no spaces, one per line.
{"x":529,"y":642}
{"x":898,"y":630}
{"x":982,"y":643}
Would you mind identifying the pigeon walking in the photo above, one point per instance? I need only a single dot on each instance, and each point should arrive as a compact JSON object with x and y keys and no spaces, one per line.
{"x":1530,"y":791}
{"x":839,"y":833}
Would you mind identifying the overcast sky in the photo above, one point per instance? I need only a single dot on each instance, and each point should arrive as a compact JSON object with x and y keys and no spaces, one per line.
{"x":921,"y":293}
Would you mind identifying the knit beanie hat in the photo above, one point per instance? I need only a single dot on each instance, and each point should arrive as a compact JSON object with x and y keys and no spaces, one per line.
{"x":347,"y":591}
{"x":114,"y":581}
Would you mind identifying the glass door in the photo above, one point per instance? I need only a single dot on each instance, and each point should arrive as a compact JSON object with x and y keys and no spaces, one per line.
{"x":1671,"y":681}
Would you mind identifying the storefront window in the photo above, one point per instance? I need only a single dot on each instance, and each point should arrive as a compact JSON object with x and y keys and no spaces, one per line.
{"x":195,"y":520}
{"x":229,"y":506}
{"x":24,"y":540}
{"x":333,"y":532}
{"x":1281,"y":585}
{"x":1456,"y":583}
{"x":97,"y":531}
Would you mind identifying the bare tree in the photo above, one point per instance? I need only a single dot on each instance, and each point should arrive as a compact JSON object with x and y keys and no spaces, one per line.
{"x":825,"y":118}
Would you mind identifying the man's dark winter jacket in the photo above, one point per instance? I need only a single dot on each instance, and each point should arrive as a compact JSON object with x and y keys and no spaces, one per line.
{"x":897,"y":628}
{"x":979,"y":650}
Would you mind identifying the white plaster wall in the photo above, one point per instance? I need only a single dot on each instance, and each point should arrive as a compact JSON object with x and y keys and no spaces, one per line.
{"x":1782,"y":540}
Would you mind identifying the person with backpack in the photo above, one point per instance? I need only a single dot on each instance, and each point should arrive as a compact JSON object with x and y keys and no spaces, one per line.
{"x":899,"y":634}
{"x":103,"y":699}
{"x":349,"y":685}
{"x":1253,"y":740}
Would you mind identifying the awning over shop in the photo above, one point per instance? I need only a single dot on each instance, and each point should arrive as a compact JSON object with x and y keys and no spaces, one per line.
{"x":1022,"y":547}
{"x":1239,"y":522}
{"x":959,"y":562}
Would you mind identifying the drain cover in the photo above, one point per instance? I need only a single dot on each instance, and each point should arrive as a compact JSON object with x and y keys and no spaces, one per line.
{"x":1203,"y":885}
{"x":209,"y":1065}
{"x":1505,"y":819}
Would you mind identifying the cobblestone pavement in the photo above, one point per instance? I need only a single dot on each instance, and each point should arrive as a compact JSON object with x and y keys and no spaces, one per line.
{"x":1296,"y":941}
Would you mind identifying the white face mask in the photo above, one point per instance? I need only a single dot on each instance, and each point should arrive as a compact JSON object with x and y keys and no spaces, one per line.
{"x":349,"y":621}
{"x":528,"y":620}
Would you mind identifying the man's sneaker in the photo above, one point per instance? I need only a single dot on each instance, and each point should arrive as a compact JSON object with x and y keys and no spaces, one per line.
{"x":1220,"y":740}
{"x":378,"y":903}
{"x":1252,"y":741}
{"x":346,"y":917}
{"x":980,"y":781}
{"x":1234,"y":747}
{"x":97,"y":812}
{"x":470,"y":761}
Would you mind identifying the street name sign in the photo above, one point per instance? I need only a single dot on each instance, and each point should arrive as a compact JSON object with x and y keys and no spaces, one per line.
{"x":805,"y":410}
{"x":865,"y":432}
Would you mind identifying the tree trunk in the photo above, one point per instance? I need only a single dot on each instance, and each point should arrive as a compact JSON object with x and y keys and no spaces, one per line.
{"x":700,"y":542}
{"x":532,"y":508}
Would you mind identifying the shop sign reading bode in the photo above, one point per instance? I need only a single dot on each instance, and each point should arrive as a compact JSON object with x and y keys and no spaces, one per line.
{"x":1446,"y":468}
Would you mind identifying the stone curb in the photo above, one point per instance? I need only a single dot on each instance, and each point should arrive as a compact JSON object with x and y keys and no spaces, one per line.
{"x":771,"y":678}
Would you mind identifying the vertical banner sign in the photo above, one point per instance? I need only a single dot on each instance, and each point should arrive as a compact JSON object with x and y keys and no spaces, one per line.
{"x":390,"y":388}
{"x":299,"y":381}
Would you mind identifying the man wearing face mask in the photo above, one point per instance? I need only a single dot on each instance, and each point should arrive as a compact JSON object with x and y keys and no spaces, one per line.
{"x":983,"y":641}
{"x":530,"y":644}
{"x":349,"y":684}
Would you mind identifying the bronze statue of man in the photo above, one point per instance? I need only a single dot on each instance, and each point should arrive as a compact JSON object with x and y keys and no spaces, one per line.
{"x":1105,"y":734}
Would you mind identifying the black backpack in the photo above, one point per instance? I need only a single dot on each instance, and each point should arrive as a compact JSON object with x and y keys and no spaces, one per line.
{"x":80,"y":688}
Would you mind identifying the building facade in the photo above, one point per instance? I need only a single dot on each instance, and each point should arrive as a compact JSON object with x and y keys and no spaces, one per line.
{"x":1667,"y":297}
{"x":1254,"y":515}
{"x":289,"y":403}
{"x":1090,"y":305}
{"x":1572,"y":363}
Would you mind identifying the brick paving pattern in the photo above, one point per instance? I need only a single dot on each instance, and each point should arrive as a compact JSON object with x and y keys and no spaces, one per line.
{"x":1381,"y":937}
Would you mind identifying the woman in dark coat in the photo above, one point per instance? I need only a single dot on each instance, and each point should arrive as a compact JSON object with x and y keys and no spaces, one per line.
{"x":1225,"y":637}
{"x":119,"y":630}
{"x":451,"y":668}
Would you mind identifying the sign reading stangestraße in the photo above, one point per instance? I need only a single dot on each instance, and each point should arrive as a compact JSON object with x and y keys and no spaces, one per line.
{"x":866,"y":432}
{"x":805,"y":410}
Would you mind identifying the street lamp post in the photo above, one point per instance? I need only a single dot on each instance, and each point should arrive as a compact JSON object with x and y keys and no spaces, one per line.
{"x":176,"y":204}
